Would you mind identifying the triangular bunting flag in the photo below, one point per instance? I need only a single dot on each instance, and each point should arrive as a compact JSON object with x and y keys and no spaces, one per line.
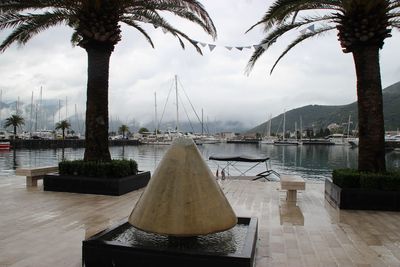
{"x":265,"y":46}
{"x":211,"y":47}
{"x":229,"y":47}
{"x":312,"y":28}
{"x":203,"y":44}
{"x":303,"y":31}
{"x":239,"y":48}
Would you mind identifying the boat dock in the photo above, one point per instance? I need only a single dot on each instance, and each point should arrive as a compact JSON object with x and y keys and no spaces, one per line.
{"x":58,"y":143}
{"x":46,"y":229}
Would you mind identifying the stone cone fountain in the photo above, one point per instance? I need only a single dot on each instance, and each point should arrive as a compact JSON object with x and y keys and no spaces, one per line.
{"x":182,"y":219}
{"x":183,"y":197}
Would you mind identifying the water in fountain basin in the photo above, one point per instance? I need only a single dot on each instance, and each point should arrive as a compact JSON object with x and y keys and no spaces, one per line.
{"x":226,"y":242}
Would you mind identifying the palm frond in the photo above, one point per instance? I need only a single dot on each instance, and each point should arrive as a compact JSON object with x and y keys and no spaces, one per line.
{"x":132,"y":23}
{"x":279,"y":31}
{"x":75,"y":38}
{"x":281,"y":10}
{"x":30,"y":25}
{"x":188,"y":9}
{"x":300,"y":39}
{"x":155,"y":19}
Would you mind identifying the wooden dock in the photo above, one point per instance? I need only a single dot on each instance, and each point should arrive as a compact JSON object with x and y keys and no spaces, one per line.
{"x":40,"y":229}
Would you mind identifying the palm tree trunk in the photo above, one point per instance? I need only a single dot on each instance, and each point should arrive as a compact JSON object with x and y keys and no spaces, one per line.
{"x":371,"y":152}
{"x":96,"y":144}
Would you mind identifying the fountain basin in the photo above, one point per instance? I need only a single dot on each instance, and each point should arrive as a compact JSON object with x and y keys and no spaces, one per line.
{"x":124,"y":245}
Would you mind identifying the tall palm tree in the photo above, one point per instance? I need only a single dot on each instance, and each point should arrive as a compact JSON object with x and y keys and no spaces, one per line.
{"x":14,"y":121}
{"x":362,"y":27}
{"x":63,"y":125}
{"x":97,"y":30}
{"x":123,"y":129}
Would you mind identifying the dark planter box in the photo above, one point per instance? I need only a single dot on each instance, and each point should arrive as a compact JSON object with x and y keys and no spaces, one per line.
{"x":360,"y":198}
{"x":92,"y":185}
{"x":99,"y":251}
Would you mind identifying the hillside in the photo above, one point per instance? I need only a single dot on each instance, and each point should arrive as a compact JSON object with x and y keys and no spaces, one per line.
{"x":318,"y":116}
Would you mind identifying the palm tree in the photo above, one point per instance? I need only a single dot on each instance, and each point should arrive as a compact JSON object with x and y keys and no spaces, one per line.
{"x":96,"y":25}
{"x":123,"y":129}
{"x":362,"y":27}
{"x":14,"y":121}
{"x":63,"y":125}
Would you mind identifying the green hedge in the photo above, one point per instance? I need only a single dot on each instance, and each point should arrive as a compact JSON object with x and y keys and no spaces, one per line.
{"x":112,"y":169}
{"x":350,"y":178}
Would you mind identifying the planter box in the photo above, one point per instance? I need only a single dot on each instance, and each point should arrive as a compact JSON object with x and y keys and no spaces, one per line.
{"x":103,"y":250}
{"x":361,"y":199}
{"x":92,"y":185}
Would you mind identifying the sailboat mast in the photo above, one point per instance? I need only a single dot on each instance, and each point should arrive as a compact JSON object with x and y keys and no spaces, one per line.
{"x":17,"y":107}
{"x":301,"y":128}
{"x":31,"y":117}
{"x":284,"y":122}
{"x":40,"y":117}
{"x":155,"y":113}
{"x":1,"y":105}
{"x":177,"y":106}
{"x":348,"y":126}
{"x":202,"y":122}
{"x":66,"y":108}
{"x":269,"y":126}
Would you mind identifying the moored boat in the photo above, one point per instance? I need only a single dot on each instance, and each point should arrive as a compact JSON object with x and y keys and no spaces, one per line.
{"x":5,"y":145}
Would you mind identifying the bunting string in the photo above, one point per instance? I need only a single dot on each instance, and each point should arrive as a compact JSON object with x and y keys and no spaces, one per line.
{"x":211,"y":47}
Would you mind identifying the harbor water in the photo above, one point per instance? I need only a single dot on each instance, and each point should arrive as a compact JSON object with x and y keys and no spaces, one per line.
{"x":314,"y":162}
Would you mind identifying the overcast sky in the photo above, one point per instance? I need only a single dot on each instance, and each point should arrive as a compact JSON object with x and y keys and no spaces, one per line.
{"x":315,"y":72}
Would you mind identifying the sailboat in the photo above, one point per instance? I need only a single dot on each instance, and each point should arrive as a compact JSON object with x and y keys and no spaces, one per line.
{"x":268,"y":139}
{"x":167,"y":137}
{"x":285,"y":142}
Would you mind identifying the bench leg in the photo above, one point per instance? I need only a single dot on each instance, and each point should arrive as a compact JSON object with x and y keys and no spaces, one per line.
{"x":291,"y":196}
{"x":30,"y":181}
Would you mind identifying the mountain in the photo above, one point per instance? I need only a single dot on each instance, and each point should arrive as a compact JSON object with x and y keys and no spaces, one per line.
{"x":319,"y":116}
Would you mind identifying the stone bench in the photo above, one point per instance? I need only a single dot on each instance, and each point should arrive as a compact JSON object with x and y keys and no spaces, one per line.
{"x":36,"y":173}
{"x":292,"y":183}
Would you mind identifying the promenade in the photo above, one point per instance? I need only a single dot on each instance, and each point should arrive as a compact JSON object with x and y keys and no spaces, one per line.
{"x":41,"y":229}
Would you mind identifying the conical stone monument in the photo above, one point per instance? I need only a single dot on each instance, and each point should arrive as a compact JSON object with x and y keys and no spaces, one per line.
{"x":182,"y":198}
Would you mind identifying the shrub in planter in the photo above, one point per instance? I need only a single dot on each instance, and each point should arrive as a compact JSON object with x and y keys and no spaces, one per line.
{"x":351,"y":189}
{"x":346,"y":178}
{"x":350,"y":178}
{"x":112,"y":169}
{"x":106,"y":178}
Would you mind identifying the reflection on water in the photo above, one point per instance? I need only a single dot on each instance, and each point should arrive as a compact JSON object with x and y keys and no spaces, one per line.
{"x":308,"y":161}
{"x":229,"y":241}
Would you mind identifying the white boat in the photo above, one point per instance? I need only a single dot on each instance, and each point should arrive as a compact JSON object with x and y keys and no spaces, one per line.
{"x":353,"y":142}
{"x":287,"y":142}
{"x":5,"y":145}
{"x":337,"y":139}
{"x":268,"y":139}
{"x":284,"y":142}
{"x":4,"y":135}
{"x":392,"y":138}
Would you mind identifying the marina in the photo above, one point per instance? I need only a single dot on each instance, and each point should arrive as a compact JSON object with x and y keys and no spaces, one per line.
{"x":47,"y":228}
{"x":312,"y":162}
